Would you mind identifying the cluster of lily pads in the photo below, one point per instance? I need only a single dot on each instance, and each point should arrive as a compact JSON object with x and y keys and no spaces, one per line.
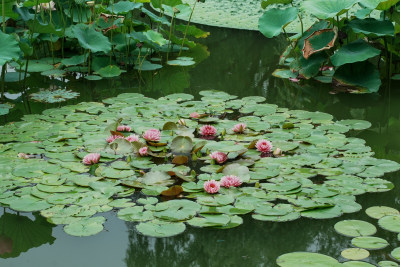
{"x":363,"y":240}
{"x":313,"y":169}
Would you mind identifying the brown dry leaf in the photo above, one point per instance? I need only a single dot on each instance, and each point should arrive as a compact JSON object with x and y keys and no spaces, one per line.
{"x":172,"y":191}
{"x":308,"y":49}
{"x":179,"y":160}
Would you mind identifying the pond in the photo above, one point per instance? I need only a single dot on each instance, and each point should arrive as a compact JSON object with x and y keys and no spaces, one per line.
{"x":240,"y":63}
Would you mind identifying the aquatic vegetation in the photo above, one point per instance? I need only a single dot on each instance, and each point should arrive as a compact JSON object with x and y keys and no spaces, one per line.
{"x":232,"y":14}
{"x":163,"y":179}
{"x":54,"y":96}
{"x":361,"y":231}
{"x":350,"y":45}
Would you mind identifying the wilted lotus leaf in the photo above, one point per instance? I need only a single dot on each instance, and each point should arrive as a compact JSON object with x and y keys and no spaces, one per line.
{"x":318,"y":41}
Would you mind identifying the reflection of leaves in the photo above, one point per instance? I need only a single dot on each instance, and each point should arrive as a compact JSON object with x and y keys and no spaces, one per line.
{"x":23,"y":233}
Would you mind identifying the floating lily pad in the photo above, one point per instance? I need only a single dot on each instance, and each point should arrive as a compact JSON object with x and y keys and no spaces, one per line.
{"x":355,"y":253}
{"x":369,"y":242}
{"x":354,"y":228}
{"x":378,"y":212}
{"x":54,"y":96}
{"x":158,"y":228}
{"x":85,"y":227}
{"x":390,"y":223}
{"x":300,"y":259}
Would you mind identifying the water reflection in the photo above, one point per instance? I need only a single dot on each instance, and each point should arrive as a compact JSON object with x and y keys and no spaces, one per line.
{"x":20,"y":233}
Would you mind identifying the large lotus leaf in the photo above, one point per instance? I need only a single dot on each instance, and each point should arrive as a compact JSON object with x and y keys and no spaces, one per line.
{"x":123,"y":7}
{"x":301,"y":259}
{"x":362,"y":75}
{"x":109,"y":71}
{"x":369,"y":242}
{"x":274,"y":20}
{"x":377,"y":212}
{"x":378,"y":4}
{"x":5,"y":108}
{"x":355,"y":253}
{"x":85,"y":227}
{"x":327,"y":9}
{"x":390,"y":223}
{"x":355,"y":228}
{"x":311,"y":66}
{"x":372,"y":27}
{"x":91,"y":39}
{"x":354,"y":52}
{"x":10,"y":49}
{"x":158,"y":228}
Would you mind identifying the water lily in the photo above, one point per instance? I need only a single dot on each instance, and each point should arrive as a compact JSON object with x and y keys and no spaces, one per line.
{"x":91,"y":158}
{"x":143,"y":151}
{"x":46,"y":6}
{"x":230,"y":181}
{"x":219,"y":157}
{"x":239,"y":128}
{"x":123,"y":128}
{"x":208,"y":130}
{"x":211,"y":186}
{"x":194,"y":115}
{"x":152,"y":135}
{"x":113,"y":137}
{"x":264,"y":146}
{"x":132,"y":138}
{"x":182,"y":122}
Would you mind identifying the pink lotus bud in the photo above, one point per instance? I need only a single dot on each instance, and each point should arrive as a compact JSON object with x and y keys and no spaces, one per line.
{"x":91,"y":159}
{"x":219,"y":157}
{"x":194,"y":115}
{"x":143,"y":151}
{"x":230,"y":180}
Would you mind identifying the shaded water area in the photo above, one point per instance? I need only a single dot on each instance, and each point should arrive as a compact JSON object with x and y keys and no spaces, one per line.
{"x":241,"y":63}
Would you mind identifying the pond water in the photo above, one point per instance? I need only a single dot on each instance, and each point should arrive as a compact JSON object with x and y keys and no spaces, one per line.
{"x":241,"y":63}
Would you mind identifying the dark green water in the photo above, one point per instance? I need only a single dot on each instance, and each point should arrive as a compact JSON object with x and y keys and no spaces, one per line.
{"x":241,"y":63}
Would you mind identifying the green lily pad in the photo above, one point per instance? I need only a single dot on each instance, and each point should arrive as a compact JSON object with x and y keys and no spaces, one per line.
{"x":354,"y":228}
{"x":355,"y":253}
{"x":158,"y":228}
{"x":390,"y":223}
{"x":369,"y":242}
{"x":300,"y":259}
{"x":377,"y":212}
{"x":85,"y":227}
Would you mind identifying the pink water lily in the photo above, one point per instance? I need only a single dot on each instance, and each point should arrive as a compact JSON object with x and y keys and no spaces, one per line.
{"x":230,"y":180}
{"x":124,"y":128}
{"x":194,"y":115}
{"x":219,"y":157}
{"x":239,"y":128}
{"x":91,"y":159}
{"x":113,"y":137}
{"x":211,"y":186}
{"x":264,"y":146}
{"x":132,"y":138}
{"x":208,"y":130}
{"x":152,"y":135}
{"x":143,"y":151}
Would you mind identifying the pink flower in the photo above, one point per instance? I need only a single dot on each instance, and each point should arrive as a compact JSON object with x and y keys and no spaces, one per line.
{"x":46,"y":6}
{"x":194,"y":115}
{"x":239,"y":128}
{"x":211,"y":187}
{"x":143,"y":151}
{"x":208,"y":130}
{"x":152,"y":135}
{"x":123,"y":128}
{"x":113,"y":137}
{"x":219,"y":157}
{"x":91,"y":159}
{"x":295,"y":80}
{"x":132,"y":138}
{"x":230,"y":180}
{"x":264,"y":146}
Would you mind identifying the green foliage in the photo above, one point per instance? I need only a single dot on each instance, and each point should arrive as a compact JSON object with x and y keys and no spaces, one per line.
{"x":357,"y":37}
